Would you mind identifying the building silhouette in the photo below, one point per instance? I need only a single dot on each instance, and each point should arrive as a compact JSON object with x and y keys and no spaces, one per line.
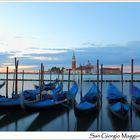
{"x":73,"y":62}
{"x":87,"y":68}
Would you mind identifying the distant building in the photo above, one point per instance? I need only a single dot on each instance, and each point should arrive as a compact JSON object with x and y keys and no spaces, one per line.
{"x":73,"y":62}
{"x":87,"y":69}
{"x":111,"y":71}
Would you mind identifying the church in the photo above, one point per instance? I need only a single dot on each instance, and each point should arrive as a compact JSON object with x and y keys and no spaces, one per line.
{"x":87,"y":68}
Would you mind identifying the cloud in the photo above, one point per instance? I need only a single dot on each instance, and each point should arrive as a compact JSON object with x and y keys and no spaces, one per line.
{"x":19,"y":55}
{"x":11,"y":65}
{"x":27,"y":66}
{"x":89,"y":44}
{"x":10,"y":42}
{"x":45,"y":51}
{"x":20,"y":67}
{"x":33,"y":52}
{"x":45,"y":58}
{"x":7,"y":64}
{"x":19,"y":37}
{"x":37,"y":54}
{"x":111,"y":54}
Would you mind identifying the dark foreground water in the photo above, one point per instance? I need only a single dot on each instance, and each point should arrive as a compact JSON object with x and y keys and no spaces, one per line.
{"x":65,"y":120}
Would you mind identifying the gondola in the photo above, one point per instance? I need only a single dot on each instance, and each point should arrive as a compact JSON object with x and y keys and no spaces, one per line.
{"x":48,"y":86}
{"x":52,"y":102}
{"x":89,"y":104}
{"x":117,"y":102}
{"x":1,"y":85}
{"x":9,"y":103}
{"x":16,"y":102}
{"x":136,"y":97}
{"x":31,"y":95}
{"x":114,"y":95}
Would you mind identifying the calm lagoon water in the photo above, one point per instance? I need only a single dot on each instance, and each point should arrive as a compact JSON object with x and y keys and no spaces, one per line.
{"x":65,"y":120}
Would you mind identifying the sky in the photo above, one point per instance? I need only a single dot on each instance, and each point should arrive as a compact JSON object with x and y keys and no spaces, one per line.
{"x":50,"y":32}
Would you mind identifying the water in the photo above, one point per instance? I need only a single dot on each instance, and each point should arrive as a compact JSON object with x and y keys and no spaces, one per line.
{"x":65,"y":120}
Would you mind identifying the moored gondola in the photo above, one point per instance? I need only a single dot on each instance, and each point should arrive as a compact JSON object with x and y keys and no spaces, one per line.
{"x":89,"y":104}
{"x":48,"y":86}
{"x":16,"y":101}
{"x":118,"y":104}
{"x":58,"y":99}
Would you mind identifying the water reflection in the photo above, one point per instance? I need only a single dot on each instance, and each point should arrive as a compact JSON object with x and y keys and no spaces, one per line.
{"x":83,"y":123}
{"x":118,"y":124}
{"x":68,"y":119}
{"x":136,"y":112}
{"x":44,"y":118}
{"x":12,"y":116}
{"x":3,"y":112}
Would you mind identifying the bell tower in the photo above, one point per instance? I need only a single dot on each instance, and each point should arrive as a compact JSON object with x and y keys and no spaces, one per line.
{"x":73,"y":62}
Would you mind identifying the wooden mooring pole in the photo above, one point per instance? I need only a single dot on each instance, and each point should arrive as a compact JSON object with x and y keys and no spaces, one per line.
{"x":39,"y":76}
{"x":42,"y":75}
{"x":16,"y":76}
{"x":132,"y":78}
{"x":58,"y":75}
{"x":41,"y":80}
{"x":101,"y":122}
{"x":78,"y":77}
{"x":68,"y":85}
{"x":22,"y":81}
{"x":122,"y":77}
{"x":98,"y":91}
{"x":50,"y":75}
{"x":81,"y":87}
{"x":101,"y":82}
{"x":7,"y":82}
{"x":131,"y":92}
{"x":98,"y":76}
{"x":62,"y":76}
{"x":13,"y":82}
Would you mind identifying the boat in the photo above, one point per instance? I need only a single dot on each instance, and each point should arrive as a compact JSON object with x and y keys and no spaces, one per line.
{"x":9,"y":103}
{"x":114,"y":95}
{"x":30,"y":95}
{"x":16,"y":102}
{"x":48,"y":86}
{"x":118,"y":104}
{"x":89,"y":104}
{"x":136,"y":97}
{"x":57,"y":99}
{"x":1,"y":85}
